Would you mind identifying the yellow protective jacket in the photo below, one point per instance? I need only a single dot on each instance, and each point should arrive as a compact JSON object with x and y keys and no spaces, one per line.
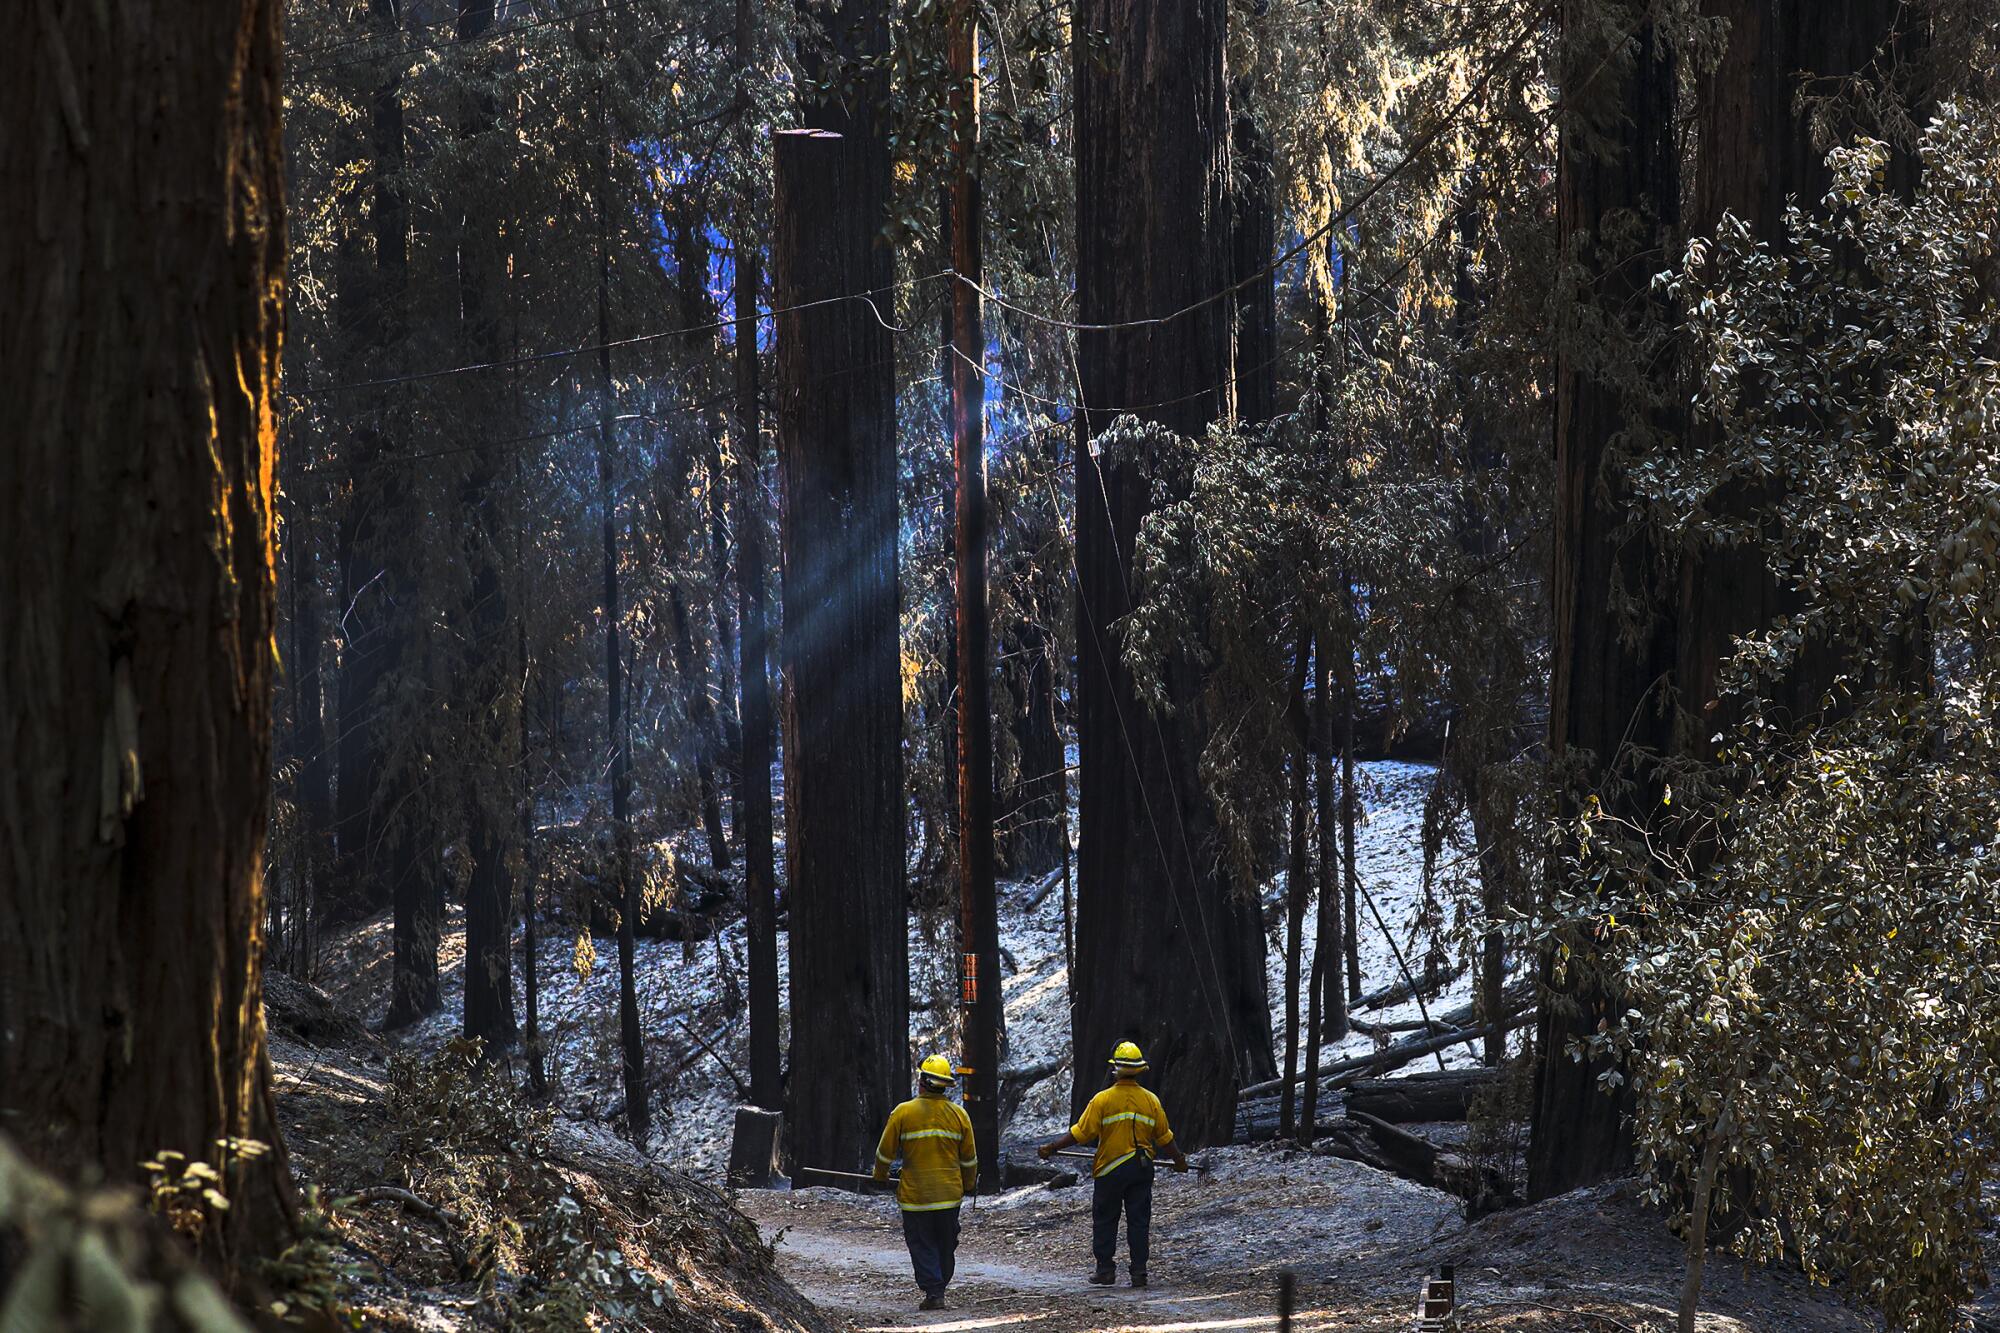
{"x":933,"y":1136}
{"x":1123,"y":1119}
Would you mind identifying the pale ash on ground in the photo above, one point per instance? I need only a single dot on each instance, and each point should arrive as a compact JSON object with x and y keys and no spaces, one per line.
{"x":1361,"y":1240}
{"x":683,"y":995}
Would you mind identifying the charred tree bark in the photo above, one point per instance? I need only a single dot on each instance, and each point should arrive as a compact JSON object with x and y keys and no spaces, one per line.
{"x":844,"y":797}
{"x":698,"y":313}
{"x":1610,"y":701}
{"x":1160,"y":936}
{"x":142,"y":195}
{"x":690,"y":662}
{"x":1253,"y":238}
{"x":759,"y":857}
{"x":399,"y":850}
{"x":1336,"y":832}
{"x":308,"y":682}
{"x":1298,"y":881}
{"x":487,"y":670}
{"x":373,"y":552}
{"x":1757,"y":150}
{"x":730,"y":711}
{"x":1034,"y":836}
{"x":631,"y":1035}
{"x":1350,"y":802}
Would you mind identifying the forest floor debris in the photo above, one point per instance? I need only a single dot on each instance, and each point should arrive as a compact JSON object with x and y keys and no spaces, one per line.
{"x":691,"y":992}
{"x":1360,"y":1241}
{"x":539,"y":1214}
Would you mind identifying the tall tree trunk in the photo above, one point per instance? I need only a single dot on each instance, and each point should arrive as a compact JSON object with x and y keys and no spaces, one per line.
{"x":1034,"y":839}
{"x":142,"y":192}
{"x":730,"y":752}
{"x":1253,"y":237}
{"x":402,"y":849}
{"x":1326,"y":922}
{"x":632,"y":1037}
{"x":538,"y":1076}
{"x":308,"y":681}
{"x":759,"y":859}
{"x":1160,"y":936}
{"x":1756,"y":152}
{"x":1611,"y":688}
{"x":844,"y":795}
{"x":1298,"y":884}
{"x":1336,"y":829}
{"x":698,"y":314}
{"x":1350,"y":797}
{"x":487,"y":671}
{"x":373,"y":538}
{"x":691,"y":663}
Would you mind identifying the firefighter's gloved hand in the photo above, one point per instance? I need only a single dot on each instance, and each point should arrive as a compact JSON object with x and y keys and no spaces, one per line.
{"x":1181,"y":1164}
{"x":1046,"y":1151}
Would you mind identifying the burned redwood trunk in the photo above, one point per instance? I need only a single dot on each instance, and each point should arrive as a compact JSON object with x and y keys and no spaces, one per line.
{"x":754,"y":737}
{"x":142,"y":195}
{"x":1161,"y":939}
{"x":844,"y":806}
{"x":1757,"y":151}
{"x":1610,"y":699}
{"x":487,"y":672}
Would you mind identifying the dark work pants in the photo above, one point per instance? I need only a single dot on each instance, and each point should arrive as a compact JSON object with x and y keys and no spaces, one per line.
{"x":933,"y":1242}
{"x":1127,"y":1187}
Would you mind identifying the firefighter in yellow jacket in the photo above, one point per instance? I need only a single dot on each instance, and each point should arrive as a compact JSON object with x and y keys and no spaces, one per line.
{"x":1129,"y":1127}
{"x":933,"y":1136}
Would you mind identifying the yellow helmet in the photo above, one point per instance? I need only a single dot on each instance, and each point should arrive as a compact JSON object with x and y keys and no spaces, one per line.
{"x":1127,"y":1056}
{"x":938,"y":1069}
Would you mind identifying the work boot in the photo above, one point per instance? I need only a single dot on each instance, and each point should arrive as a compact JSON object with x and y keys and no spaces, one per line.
{"x":1138,"y":1277}
{"x":933,"y":1300}
{"x":1103,"y":1277}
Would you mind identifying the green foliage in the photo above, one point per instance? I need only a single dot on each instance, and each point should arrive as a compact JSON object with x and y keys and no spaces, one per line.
{"x":312,"y":1279}
{"x":94,"y":1263}
{"x":1810,"y":976}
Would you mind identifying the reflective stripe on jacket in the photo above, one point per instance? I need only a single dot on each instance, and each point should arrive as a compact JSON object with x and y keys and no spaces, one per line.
{"x":933,"y":1136}
{"x":1123,"y":1119}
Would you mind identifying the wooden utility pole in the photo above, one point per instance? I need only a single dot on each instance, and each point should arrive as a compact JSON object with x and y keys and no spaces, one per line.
{"x":759,"y":858}
{"x":978,"y":926}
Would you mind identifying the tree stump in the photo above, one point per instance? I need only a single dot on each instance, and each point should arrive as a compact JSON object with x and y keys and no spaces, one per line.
{"x":753,"y":1147}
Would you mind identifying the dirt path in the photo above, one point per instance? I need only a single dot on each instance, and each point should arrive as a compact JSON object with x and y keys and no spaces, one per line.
{"x":1360,"y":1243}
{"x":1218,"y":1243}
{"x":848,"y":1259}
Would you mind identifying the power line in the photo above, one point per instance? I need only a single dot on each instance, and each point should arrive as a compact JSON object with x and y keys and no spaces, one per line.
{"x":1318,"y":234}
{"x":1268,"y":270}
{"x":637,"y":340}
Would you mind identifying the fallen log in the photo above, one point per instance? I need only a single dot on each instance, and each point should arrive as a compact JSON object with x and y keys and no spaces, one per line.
{"x":1393,"y":1056}
{"x":1260,"y":1121}
{"x":1422,"y":1097}
{"x":1400,"y":992}
{"x":1484,"y":1189}
{"x":1041,"y":891}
